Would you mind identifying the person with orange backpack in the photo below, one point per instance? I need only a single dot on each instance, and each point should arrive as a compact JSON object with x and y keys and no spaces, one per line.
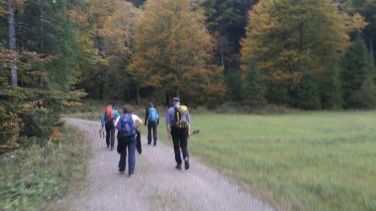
{"x":108,"y":119}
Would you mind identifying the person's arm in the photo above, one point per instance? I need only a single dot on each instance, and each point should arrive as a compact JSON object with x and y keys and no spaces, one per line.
{"x":137,"y":121}
{"x":168,"y":125}
{"x":103,"y":120}
{"x":157,"y":117}
{"x":116,"y":114}
{"x":117,"y":122}
{"x":189,"y":125}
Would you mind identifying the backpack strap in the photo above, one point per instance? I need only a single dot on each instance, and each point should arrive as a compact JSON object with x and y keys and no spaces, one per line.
{"x":130,"y":122}
{"x":176,"y":117}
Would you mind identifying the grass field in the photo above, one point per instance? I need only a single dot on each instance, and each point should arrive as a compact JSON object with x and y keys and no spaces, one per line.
{"x":302,"y":161}
{"x":295,"y":161}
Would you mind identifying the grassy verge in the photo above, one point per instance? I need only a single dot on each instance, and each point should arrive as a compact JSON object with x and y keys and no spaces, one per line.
{"x":33,"y":178}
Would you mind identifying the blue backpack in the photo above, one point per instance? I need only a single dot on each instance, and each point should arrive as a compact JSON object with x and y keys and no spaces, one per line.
{"x":125,"y":127}
{"x":153,"y":115}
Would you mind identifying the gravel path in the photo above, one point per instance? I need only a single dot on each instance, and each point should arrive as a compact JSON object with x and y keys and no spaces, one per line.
{"x":156,"y":185}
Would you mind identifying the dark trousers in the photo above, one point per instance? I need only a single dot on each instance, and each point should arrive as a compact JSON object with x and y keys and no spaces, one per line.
{"x":152,"y":127}
{"x":130,"y":144}
{"x":110,"y":133}
{"x":180,"y":141}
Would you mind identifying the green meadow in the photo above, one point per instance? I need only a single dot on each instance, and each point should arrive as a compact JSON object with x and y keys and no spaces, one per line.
{"x":297,"y":161}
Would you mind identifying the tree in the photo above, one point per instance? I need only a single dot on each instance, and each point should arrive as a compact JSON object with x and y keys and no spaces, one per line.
{"x":137,"y":3}
{"x":32,"y":108}
{"x":45,"y":28}
{"x":358,"y":76}
{"x":117,"y":43}
{"x":295,"y":39}
{"x":170,"y":41}
{"x":226,"y":20}
{"x":204,"y":85}
{"x":109,"y":25}
{"x":12,"y":41}
{"x":368,"y":9}
{"x":254,"y":90}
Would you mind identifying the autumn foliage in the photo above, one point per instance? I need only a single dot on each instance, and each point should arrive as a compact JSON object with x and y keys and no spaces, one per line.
{"x":298,"y":53}
{"x":171,"y":46}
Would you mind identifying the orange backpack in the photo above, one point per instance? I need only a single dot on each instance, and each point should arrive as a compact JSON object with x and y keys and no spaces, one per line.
{"x":108,"y":113}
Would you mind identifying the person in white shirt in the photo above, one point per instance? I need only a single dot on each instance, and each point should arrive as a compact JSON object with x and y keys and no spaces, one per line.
{"x":127,"y":125}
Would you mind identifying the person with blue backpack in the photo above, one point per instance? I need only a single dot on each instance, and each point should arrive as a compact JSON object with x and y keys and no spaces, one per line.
{"x":152,"y":120}
{"x":127,"y":126}
{"x":107,"y":120}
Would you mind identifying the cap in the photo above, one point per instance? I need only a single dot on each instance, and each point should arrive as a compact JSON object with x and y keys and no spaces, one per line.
{"x":175,"y":99}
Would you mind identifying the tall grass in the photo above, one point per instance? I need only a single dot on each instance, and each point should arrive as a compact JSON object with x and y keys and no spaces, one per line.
{"x":32,"y":178}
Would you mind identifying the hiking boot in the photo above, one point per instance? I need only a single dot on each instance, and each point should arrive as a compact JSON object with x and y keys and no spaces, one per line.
{"x":178,"y":166}
{"x":186,"y":164}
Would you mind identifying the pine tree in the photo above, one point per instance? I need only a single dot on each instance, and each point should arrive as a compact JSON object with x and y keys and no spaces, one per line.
{"x":12,"y":42}
{"x":254,"y":87}
{"x":227,"y":20}
{"x":358,"y":76}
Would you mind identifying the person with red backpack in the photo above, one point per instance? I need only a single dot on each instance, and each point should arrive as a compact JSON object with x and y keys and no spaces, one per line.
{"x":108,"y":119}
{"x":152,"y":120}
{"x":127,"y":126}
{"x":178,"y":124}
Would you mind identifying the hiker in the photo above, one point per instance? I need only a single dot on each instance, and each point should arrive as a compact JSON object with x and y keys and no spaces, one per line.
{"x":108,"y":119}
{"x":152,"y":120}
{"x":178,"y":125}
{"x":127,"y":126}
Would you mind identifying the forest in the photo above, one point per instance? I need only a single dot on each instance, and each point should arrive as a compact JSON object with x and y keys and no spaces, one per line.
{"x":305,"y":54}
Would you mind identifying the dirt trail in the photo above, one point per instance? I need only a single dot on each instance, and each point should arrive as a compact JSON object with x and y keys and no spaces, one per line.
{"x":156,"y":185}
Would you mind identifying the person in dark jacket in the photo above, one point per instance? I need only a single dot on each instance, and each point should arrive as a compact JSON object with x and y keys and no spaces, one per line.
{"x":152,"y":121}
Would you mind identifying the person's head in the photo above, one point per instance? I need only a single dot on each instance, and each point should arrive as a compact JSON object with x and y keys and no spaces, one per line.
{"x":127,"y":109}
{"x":151,"y":104}
{"x":175,"y":101}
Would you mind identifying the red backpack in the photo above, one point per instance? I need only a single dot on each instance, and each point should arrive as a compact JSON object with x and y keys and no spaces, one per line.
{"x":108,"y":113}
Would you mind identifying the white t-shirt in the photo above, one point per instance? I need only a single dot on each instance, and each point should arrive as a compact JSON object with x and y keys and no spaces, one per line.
{"x":134,"y":118}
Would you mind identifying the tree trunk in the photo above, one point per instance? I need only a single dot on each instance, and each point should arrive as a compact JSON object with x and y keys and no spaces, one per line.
{"x":12,"y":42}
{"x":137,"y":99}
{"x":167,"y":99}
{"x":371,"y":47}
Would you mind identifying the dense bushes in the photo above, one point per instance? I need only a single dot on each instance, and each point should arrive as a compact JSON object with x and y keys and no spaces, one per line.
{"x":31,"y":112}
